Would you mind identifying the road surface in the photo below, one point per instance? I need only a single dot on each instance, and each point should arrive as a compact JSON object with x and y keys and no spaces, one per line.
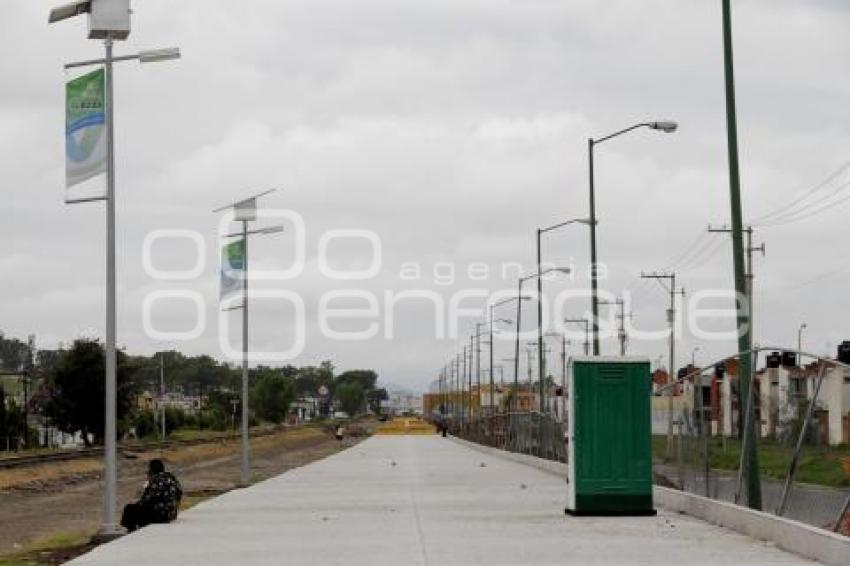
{"x":422,"y":500}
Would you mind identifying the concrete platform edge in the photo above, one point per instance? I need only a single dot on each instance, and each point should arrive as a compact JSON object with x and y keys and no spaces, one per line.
{"x":789,"y":535}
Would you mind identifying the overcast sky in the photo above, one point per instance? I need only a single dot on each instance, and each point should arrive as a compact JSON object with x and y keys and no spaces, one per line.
{"x":449,"y":128}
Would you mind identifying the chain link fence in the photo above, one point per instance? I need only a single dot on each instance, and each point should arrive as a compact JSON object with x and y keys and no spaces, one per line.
{"x":531,"y":433}
{"x":803,"y":460}
{"x":698,"y":445}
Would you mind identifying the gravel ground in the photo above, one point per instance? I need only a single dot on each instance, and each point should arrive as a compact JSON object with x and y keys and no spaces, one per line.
{"x":49,"y":504}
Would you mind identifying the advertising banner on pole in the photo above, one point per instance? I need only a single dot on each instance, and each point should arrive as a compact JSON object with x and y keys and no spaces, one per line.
{"x":232,"y":268}
{"x":85,"y":128}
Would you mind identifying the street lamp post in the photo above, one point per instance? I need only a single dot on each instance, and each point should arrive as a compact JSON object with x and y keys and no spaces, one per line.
{"x":664,"y":126}
{"x":564,"y":343}
{"x":541,"y":361}
{"x":520,"y":281}
{"x":492,"y":343}
{"x":162,"y":391}
{"x":520,"y":298}
{"x":246,"y":211}
{"x":109,"y":22}
{"x":478,"y":326}
{"x":694,"y":356}
{"x":802,"y":327}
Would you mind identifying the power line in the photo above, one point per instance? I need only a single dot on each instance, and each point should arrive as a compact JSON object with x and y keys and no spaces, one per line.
{"x":805,"y":213}
{"x":787,"y":208}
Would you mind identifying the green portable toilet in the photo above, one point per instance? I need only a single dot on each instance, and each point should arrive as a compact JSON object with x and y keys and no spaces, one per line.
{"x":609,"y":443}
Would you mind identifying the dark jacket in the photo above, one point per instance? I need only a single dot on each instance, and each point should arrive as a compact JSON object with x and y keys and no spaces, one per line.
{"x":162,"y":497}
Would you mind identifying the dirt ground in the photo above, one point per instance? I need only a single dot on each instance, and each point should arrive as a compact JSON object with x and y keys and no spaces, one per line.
{"x":62,"y":501}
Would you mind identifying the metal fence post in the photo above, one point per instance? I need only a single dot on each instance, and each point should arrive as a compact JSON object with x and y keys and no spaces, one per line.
{"x":840,"y":520}
{"x":792,"y":468}
{"x":748,"y":409}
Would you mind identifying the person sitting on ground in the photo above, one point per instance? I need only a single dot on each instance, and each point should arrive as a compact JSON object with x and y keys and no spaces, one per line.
{"x":159,"y":502}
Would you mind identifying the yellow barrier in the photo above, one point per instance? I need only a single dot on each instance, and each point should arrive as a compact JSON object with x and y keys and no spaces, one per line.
{"x":404,"y":426}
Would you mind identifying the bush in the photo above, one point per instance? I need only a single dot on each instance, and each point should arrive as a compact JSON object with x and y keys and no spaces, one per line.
{"x":145,"y":423}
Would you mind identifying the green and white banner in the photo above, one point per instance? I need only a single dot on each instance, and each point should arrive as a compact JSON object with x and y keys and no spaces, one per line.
{"x":85,"y":128}
{"x":232,"y":268}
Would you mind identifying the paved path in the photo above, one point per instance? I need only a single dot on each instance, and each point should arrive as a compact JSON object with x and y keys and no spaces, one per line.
{"x":422,"y":500}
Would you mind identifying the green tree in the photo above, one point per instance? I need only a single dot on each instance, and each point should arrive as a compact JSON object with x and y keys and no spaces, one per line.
{"x":309,"y":379}
{"x":13,"y":353}
{"x":374,"y":397}
{"x":366,"y":378}
{"x":78,"y":386}
{"x":271,"y":396}
{"x":351,"y":398}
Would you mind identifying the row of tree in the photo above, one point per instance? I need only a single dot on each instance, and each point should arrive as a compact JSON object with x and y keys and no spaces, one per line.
{"x":68,"y":389}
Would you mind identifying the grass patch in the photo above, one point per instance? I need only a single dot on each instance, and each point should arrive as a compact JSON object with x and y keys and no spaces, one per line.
{"x":818,"y":465}
{"x":54,"y":549}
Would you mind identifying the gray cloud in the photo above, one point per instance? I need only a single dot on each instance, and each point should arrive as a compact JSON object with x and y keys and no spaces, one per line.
{"x":450,"y":128}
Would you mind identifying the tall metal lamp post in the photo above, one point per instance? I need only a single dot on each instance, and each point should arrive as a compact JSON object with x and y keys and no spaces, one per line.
{"x":663,"y":126}
{"x":492,"y":320}
{"x":520,"y":281}
{"x":245,"y":211}
{"x":109,"y":20}
{"x":541,"y":361}
{"x":694,"y":356}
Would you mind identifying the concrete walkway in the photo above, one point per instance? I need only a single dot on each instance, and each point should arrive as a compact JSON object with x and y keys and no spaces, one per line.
{"x":422,"y":500}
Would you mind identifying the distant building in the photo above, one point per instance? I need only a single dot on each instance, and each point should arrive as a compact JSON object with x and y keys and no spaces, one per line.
{"x":782,"y":391}
{"x":304,"y":409}
{"x":187,"y":403}
{"x":403,"y":403}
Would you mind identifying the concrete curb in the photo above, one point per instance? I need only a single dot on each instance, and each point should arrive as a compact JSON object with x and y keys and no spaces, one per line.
{"x":793,"y":536}
{"x":789,"y":535}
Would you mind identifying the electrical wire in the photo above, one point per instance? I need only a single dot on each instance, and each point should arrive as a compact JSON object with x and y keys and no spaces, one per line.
{"x":800,"y":204}
{"x":808,"y":212}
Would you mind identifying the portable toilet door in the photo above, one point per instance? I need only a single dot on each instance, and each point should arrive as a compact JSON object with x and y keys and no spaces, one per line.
{"x":609,"y":437}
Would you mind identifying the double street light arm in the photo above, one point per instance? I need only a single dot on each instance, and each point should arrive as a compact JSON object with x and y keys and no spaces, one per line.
{"x":148,"y":56}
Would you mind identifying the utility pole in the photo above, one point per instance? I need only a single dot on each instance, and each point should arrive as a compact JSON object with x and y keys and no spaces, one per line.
{"x":586,"y":324}
{"x":478,"y":326}
{"x":541,"y":360}
{"x":671,"y":318}
{"x":750,"y":273}
{"x":621,"y":317}
{"x":454,"y":388}
{"x":750,"y":458}
{"x":471,"y":347}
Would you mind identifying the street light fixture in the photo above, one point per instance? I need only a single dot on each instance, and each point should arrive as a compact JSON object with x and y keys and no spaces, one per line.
{"x":694,"y":356}
{"x":110,"y":21}
{"x":666,"y":126}
{"x":246,"y":211}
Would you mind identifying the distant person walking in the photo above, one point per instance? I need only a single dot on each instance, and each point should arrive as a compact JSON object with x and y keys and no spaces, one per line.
{"x":159,"y":502}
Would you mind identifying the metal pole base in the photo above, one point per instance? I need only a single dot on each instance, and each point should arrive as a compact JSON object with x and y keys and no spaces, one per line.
{"x":108,"y":533}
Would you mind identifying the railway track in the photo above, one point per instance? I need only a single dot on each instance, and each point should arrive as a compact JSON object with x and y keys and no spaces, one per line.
{"x":126,"y":448}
